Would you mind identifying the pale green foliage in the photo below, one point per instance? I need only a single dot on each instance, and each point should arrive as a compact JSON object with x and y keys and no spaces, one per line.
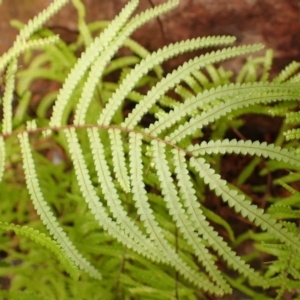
{"x":139,"y":176}
{"x":44,"y":212}
{"x":43,"y":240}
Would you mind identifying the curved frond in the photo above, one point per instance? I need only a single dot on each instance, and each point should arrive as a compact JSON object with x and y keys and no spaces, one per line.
{"x":17,"y":49}
{"x":287,"y":72}
{"x":243,"y":206}
{"x":100,"y":63}
{"x":292,"y":134}
{"x":178,"y":214}
{"x":267,"y":64}
{"x":87,"y":58}
{"x":200,"y":223}
{"x":226,"y":107}
{"x":2,"y":157}
{"x":142,"y":169}
{"x":244,"y":148}
{"x":82,"y":26}
{"x":118,"y":157}
{"x":146,"y":214}
{"x":8,"y":97}
{"x":292,"y":117}
{"x":234,"y":91}
{"x":179,"y":74}
{"x":45,"y":213}
{"x":38,"y":21}
{"x":283,"y":212}
{"x":46,"y":242}
{"x":150,"y":62}
{"x":123,"y":229}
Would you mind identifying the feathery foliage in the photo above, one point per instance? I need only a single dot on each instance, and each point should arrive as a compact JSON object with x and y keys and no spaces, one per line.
{"x":117,"y":169}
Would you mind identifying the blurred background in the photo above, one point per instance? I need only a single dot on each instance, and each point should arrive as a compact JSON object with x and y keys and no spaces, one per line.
{"x":276,"y":24}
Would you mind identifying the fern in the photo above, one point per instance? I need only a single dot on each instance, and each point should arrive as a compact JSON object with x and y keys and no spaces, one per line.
{"x":44,"y":211}
{"x":138,"y":176}
{"x":45,"y":241}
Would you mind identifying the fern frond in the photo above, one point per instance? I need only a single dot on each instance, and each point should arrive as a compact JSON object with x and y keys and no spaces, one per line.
{"x":226,"y":92}
{"x":292,"y":134}
{"x":87,"y":58}
{"x":21,"y":44}
{"x":287,"y":72}
{"x":214,"y":75}
{"x":178,"y":214}
{"x":267,"y":64}
{"x":150,"y":62}
{"x":109,"y":190}
{"x":244,"y":148}
{"x":97,"y":71}
{"x":287,"y":187}
{"x":143,"y":183}
{"x":283,"y":212}
{"x":146,"y":214}
{"x":82,"y":26}
{"x":201,"y":78}
{"x":38,"y":21}
{"x":179,"y":74}
{"x":20,"y":295}
{"x":99,"y":65}
{"x":17,"y":49}
{"x":44,"y":212}
{"x":45,"y":241}
{"x":192,"y":206}
{"x":142,"y":52}
{"x":8,"y":97}
{"x":241,"y":205}
{"x":226,"y":107}
{"x":292,"y":117}
{"x":183,"y":92}
{"x":2,"y":157}
{"x":193,"y":84}
{"x":118,"y":157}
{"x":123,"y":229}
